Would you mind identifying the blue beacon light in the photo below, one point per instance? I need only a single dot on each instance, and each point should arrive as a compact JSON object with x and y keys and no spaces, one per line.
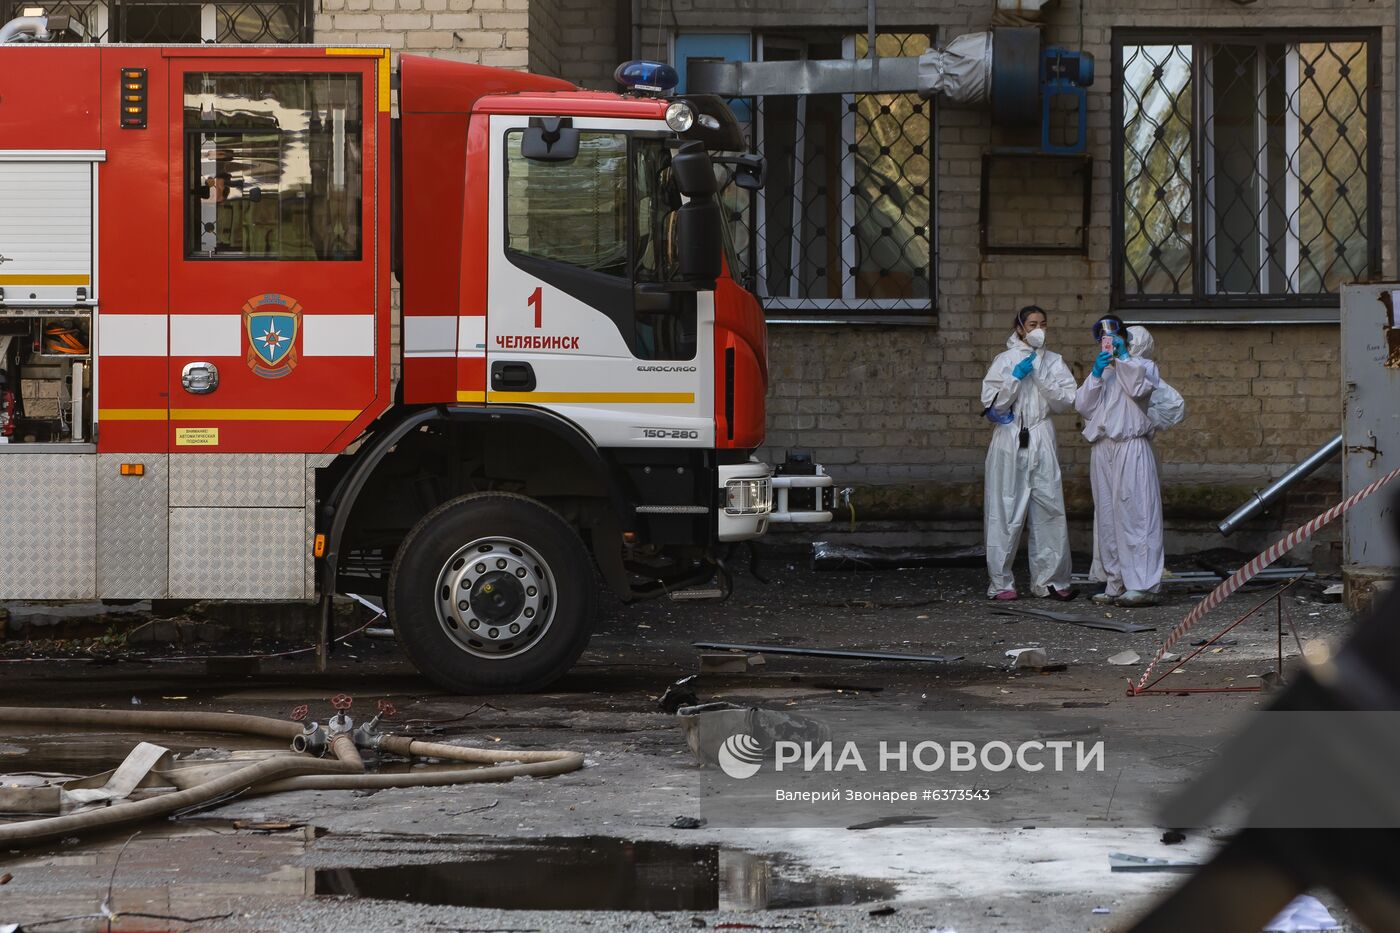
{"x":647,"y":77}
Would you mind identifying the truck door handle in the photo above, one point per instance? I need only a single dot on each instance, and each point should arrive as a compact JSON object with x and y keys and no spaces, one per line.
{"x":507,"y":376}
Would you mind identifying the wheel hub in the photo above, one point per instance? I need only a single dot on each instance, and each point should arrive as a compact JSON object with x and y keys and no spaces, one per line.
{"x":495,"y":597}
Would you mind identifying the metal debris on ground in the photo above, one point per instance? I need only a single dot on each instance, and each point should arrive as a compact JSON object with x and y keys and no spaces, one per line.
{"x":1173,"y":837}
{"x":1108,"y":625}
{"x":731,"y":662}
{"x":688,"y":822}
{"x":708,"y":726}
{"x":1122,"y":861}
{"x":826,"y":652}
{"x":1210,"y":578}
{"x":1123,"y":658}
{"x":1028,"y":658}
{"x":829,"y":556}
{"x":681,"y":693}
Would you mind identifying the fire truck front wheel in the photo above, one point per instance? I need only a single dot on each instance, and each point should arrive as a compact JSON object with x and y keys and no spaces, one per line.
{"x":493,"y":592}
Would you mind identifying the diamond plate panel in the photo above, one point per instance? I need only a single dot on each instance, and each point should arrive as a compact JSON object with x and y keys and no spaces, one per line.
{"x":48,"y":541}
{"x":238,"y":480}
{"x":244,"y":553}
{"x":133,"y":530}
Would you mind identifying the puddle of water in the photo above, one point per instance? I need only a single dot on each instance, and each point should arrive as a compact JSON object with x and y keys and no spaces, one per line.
{"x":603,"y":873}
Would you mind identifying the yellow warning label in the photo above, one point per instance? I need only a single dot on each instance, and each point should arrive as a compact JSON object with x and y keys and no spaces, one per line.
{"x":196,"y":437}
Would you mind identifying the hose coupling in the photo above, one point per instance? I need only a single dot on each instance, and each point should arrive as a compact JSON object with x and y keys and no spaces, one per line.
{"x":367,"y":736}
{"x":313,"y":740}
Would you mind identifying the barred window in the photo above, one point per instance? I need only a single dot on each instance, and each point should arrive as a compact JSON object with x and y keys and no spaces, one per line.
{"x":843,"y":228}
{"x":185,"y":21}
{"x":1246,"y":168}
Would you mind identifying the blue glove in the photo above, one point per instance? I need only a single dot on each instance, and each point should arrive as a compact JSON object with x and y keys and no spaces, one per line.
{"x":1120,"y":349}
{"x":1023,"y":368}
{"x":1101,"y":362}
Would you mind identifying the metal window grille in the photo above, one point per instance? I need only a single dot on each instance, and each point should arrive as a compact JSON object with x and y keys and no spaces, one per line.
{"x":1246,"y":168}
{"x":178,"y":21}
{"x":843,"y":229}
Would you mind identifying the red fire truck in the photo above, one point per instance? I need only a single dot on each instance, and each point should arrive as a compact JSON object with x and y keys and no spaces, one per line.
{"x":209,"y":394}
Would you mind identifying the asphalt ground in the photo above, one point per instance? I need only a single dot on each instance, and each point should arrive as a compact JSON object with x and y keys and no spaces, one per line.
{"x":602,"y":837}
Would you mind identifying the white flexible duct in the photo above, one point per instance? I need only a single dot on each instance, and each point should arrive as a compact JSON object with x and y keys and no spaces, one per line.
{"x":960,"y":71}
{"x":36,"y":27}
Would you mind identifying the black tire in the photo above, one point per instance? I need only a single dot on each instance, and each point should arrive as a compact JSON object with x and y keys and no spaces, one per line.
{"x":526,"y":538}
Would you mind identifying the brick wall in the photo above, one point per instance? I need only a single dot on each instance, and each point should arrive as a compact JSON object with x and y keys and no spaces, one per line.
{"x":894,"y":410}
{"x":486,"y":32}
{"x":546,"y":36}
{"x":588,"y":29}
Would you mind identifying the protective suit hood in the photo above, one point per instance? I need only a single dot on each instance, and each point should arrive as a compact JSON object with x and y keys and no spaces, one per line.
{"x":1140,"y":342}
{"x":1014,"y":342}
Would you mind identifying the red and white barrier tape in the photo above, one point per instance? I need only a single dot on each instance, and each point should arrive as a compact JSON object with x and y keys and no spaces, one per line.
{"x":1285,"y":544}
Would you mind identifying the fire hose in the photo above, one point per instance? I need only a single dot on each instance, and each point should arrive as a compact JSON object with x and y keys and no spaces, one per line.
{"x":344,"y":771}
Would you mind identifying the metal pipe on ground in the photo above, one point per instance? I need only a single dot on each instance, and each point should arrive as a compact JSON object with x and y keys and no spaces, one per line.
{"x":1263,"y":498}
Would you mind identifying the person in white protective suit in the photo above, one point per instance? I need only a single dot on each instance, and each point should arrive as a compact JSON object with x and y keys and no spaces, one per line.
{"x":1167,"y":410}
{"x":1024,"y":386}
{"x":1114,"y":402}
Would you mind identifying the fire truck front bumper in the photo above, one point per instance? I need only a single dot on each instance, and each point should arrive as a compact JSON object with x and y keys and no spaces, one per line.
{"x":753,"y":495}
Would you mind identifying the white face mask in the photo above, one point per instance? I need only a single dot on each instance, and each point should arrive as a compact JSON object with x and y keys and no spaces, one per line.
{"x":1036,"y":338}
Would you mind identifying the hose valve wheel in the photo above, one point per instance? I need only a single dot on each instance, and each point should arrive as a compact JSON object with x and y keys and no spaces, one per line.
{"x":299,"y":713}
{"x":342,"y":701}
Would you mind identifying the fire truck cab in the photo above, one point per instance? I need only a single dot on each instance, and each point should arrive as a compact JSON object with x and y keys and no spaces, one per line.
{"x":210,"y":390}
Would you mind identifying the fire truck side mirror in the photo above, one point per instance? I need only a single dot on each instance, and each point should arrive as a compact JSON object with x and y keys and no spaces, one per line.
{"x":693,"y":171}
{"x":550,"y":139}
{"x":750,"y":171}
{"x":698,"y":242}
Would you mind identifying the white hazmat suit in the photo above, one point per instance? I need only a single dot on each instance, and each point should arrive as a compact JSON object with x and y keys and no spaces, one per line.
{"x":1167,"y":410}
{"x":1023,"y":484}
{"x":1123,"y":474}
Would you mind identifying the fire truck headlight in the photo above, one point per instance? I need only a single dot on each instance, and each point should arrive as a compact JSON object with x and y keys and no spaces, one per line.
{"x":749,"y":496}
{"x":680,"y":116}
